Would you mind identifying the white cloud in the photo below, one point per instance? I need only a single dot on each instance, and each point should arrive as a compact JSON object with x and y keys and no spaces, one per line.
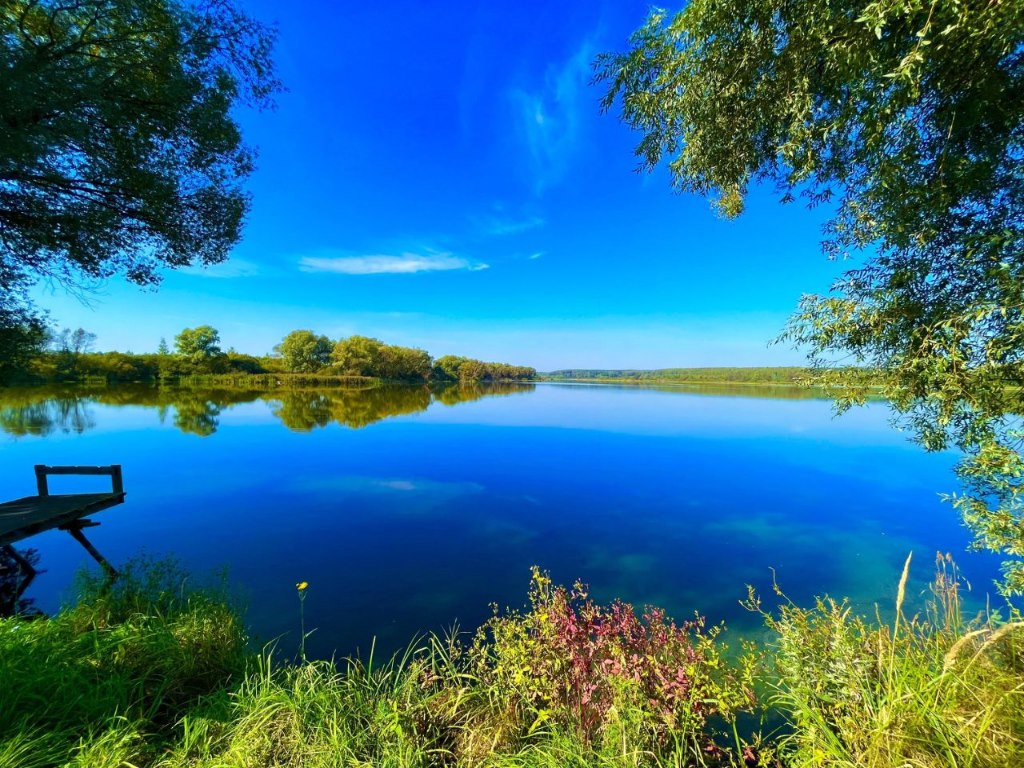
{"x":381,"y":264}
{"x":549,"y":116}
{"x":535,"y":256}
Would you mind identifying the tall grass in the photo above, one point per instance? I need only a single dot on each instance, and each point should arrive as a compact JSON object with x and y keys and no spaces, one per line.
{"x":104,"y":683}
{"x":151,"y":672}
{"x":931,"y":691}
{"x":155,"y":673}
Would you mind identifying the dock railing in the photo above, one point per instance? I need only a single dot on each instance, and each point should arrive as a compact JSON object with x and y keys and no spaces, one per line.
{"x":43,"y":472}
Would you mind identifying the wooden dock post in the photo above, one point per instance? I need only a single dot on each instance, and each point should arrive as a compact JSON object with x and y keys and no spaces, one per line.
{"x":42,"y":486}
{"x":75,"y":529}
{"x":28,"y":516}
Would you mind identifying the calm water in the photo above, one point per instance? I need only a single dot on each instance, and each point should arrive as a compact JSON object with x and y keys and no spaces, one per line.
{"x":407,"y":510}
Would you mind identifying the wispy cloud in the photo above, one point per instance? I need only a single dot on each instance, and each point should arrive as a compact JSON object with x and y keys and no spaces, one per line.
{"x":231,"y":268}
{"x":535,"y":256}
{"x":508,"y":226}
{"x":548,"y":116}
{"x":382,"y":264}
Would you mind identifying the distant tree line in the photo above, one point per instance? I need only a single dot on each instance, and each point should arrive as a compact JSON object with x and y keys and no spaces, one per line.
{"x":68,"y":355}
{"x":306,"y":352}
{"x":765,"y":375}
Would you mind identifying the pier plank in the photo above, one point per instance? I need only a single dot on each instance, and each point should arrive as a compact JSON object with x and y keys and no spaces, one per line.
{"x":30,"y":515}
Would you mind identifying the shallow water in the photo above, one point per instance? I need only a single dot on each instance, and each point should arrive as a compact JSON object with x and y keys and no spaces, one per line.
{"x":408,"y":510}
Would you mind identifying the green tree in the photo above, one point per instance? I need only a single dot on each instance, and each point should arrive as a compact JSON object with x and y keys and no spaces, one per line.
{"x":69,"y":346}
{"x":357,"y":356}
{"x":22,"y":337}
{"x":23,"y":332}
{"x":198,"y":345}
{"x":119,"y":149}
{"x":473,"y":371}
{"x":242,"y":363}
{"x":80,"y":341}
{"x":907,"y":118}
{"x":404,"y":363}
{"x":162,"y":349}
{"x":446,"y":367}
{"x":304,"y":351}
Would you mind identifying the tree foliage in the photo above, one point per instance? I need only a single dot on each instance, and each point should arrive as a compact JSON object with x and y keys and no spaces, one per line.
{"x":22,"y":336}
{"x":198,"y":344}
{"x":363,"y":356}
{"x":357,"y":356}
{"x":74,"y":342}
{"x":68,"y":347}
{"x":23,"y":332}
{"x":404,"y":363}
{"x":304,"y":351}
{"x":466,"y":370}
{"x":907,"y":118}
{"x":118,"y":150}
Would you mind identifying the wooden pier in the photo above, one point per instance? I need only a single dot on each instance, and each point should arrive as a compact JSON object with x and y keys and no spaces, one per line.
{"x":30,"y":515}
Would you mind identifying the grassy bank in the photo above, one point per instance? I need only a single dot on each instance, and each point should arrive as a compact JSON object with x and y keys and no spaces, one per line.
{"x":154,"y":672}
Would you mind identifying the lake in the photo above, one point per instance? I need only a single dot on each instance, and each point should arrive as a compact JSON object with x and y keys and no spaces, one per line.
{"x":407,"y":510}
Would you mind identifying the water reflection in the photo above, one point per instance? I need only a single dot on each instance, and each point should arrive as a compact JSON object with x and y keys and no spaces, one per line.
{"x":23,"y":414}
{"x":43,"y":411}
{"x":719,"y":389}
{"x":17,"y":571}
{"x":303,"y":410}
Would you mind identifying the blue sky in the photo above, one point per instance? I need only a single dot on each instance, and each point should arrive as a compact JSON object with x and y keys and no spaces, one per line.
{"x":439,"y":175}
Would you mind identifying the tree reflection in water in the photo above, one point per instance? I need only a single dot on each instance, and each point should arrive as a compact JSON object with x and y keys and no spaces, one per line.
{"x":46,"y":410}
{"x":45,"y":415}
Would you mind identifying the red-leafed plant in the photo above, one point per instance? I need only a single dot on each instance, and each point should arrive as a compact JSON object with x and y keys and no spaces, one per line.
{"x":604,"y":668}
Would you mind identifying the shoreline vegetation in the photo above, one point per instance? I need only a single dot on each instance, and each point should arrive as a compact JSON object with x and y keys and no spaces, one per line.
{"x":794,"y":383}
{"x":153,"y":671}
{"x":306,"y":359}
{"x":753,"y":376}
{"x":302,"y":358}
{"x":796,"y":376}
